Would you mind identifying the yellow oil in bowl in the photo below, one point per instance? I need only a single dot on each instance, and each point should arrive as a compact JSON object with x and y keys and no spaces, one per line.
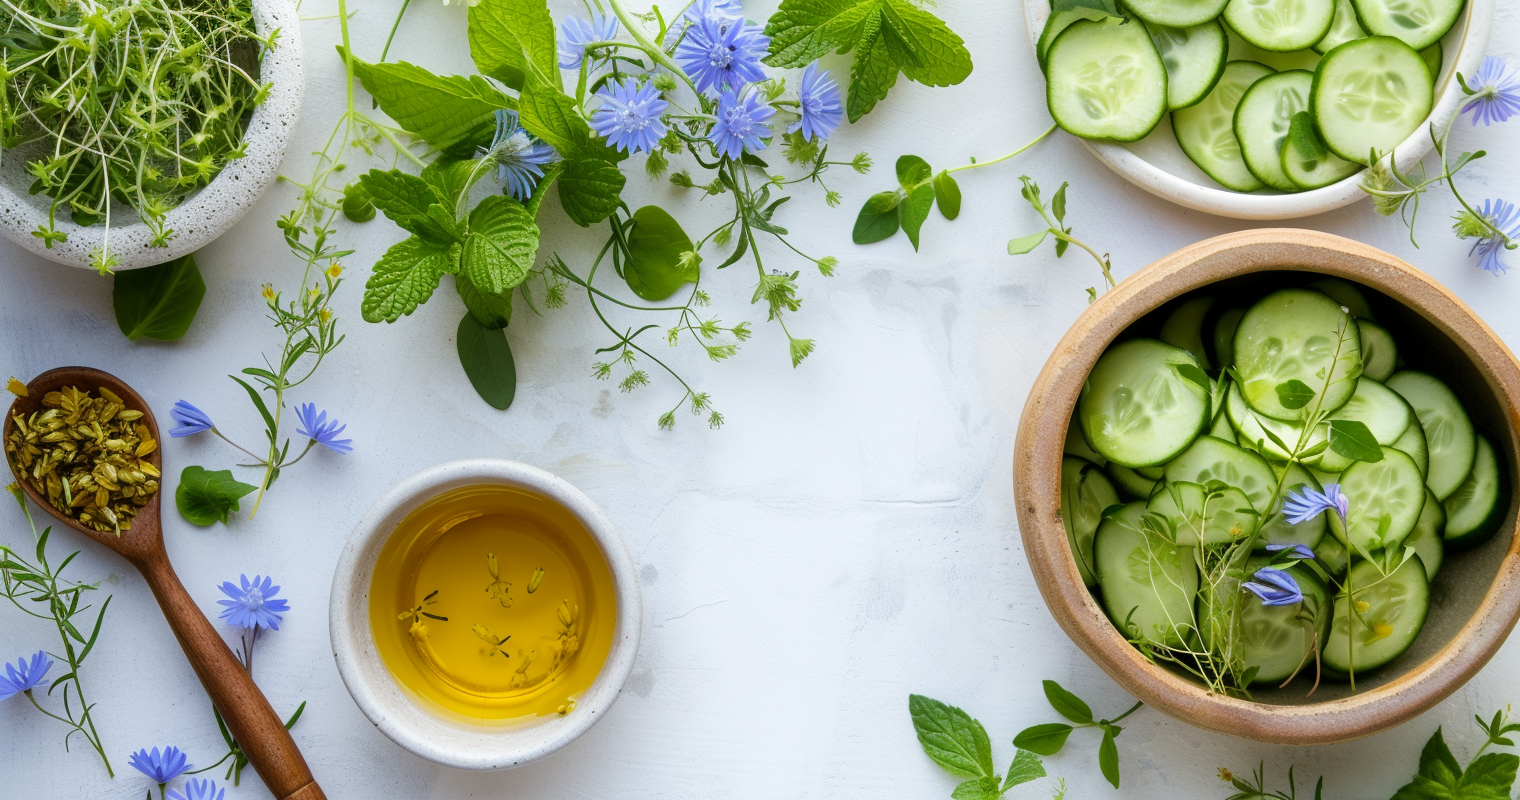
{"x":493,"y":604}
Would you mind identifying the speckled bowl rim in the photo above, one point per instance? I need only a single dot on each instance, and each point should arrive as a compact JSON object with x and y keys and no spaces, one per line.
{"x":1478,"y":17}
{"x":1039,"y":446}
{"x":381,"y":698}
{"x":216,"y":207}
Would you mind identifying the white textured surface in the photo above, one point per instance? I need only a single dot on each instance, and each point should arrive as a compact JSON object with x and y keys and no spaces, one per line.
{"x":846,"y":539}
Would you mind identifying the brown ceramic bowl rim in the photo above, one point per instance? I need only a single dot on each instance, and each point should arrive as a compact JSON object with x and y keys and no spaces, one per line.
{"x":1037,"y":459}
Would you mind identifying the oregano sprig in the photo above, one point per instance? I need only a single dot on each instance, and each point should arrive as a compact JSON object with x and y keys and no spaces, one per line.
{"x":1055,"y":225}
{"x":1047,"y":739}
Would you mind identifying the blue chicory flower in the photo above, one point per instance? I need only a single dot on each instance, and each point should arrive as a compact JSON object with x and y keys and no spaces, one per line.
{"x":717,"y":10}
{"x":254,"y":605}
{"x":575,"y":33}
{"x":1274,"y":587}
{"x":161,"y":767}
{"x":629,"y":116}
{"x":741,"y":123}
{"x":519,"y":156}
{"x":197,"y":790}
{"x":718,"y":54}
{"x":321,"y":430}
{"x":1489,"y":249}
{"x":1495,"y":92}
{"x":191,"y":420}
{"x":1298,"y":552}
{"x":1302,"y":507}
{"x":821,"y":109}
{"x":23,"y":675}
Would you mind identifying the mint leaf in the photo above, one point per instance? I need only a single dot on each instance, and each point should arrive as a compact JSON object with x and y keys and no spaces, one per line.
{"x":977,"y":789}
{"x":1294,"y":394}
{"x":661,"y":257}
{"x":589,"y":189}
{"x":1490,"y":777}
{"x":158,"y":302}
{"x":441,"y":110}
{"x":1026,"y":767}
{"x":951,"y":737}
{"x":803,"y":30}
{"x":412,"y":203}
{"x":914,"y":209}
{"x":405,"y":278}
{"x":942,"y":58}
{"x":1351,"y":438}
{"x":551,"y":116}
{"x":487,"y":360}
{"x":872,"y":74}
{"x":492,"y":311}
{"x":1047,"y":739}
{"x":502,"y":244}
{"x":1067,"y":704}
{"x":1108,"y":755}
{"x":1025,"y":244}
{"x":205,"y":497}
{"x":513,"y":40}
{"x":877,"y":219}
{"x":948,"y":194}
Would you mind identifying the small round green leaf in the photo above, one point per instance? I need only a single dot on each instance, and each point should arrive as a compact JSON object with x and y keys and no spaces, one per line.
{"x":158,"y":302}
{"x":912,"y":171}
{"x":878,"y":218}
{"x":204,"y":497}
{"x":357,"y":204}
{"x":661,"y":257}
{"x":948,"y":193}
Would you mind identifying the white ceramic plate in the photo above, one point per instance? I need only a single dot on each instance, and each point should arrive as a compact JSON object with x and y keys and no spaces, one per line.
{"x":204,"y":215}
{"x":1157,"y":165}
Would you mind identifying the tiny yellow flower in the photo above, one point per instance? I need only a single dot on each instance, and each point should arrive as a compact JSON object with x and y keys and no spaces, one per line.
{"x":1225,"y":775}
{"x":268,"y":292}
{"x":325,"y":313}
{"x":17,"y":388}
{"x":335,"y":270}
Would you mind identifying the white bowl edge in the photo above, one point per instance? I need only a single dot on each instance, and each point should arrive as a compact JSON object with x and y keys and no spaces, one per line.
{"x":1477,"y":16}
{"x":377,"y":693}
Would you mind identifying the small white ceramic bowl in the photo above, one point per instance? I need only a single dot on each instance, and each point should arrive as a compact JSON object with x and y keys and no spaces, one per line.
{"x":1157,"y":165}
{"x":429,"y":735}
{"x":204,"y":215}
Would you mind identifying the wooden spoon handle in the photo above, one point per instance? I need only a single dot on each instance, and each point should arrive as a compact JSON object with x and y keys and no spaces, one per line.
{"x":253,"y":723}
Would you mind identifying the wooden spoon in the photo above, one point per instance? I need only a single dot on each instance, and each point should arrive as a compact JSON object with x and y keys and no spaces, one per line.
{"x":253,"y":723}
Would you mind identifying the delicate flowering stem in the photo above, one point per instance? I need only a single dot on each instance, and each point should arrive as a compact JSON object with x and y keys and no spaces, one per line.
{"x":975,"y":164}
{"x":655,"y":52}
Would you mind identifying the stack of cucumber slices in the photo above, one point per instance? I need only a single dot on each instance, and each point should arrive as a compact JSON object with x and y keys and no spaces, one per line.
{"x":1287,"y":95}
{"x":1185,"y":448}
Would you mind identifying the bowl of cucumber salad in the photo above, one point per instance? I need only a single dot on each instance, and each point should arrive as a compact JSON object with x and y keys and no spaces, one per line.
{"x":1256,"y":109}
{"x":1267,"y":483}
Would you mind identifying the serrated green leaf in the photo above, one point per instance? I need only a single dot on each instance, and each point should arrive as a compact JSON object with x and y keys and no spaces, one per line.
{"x":1108,"y":757}
{"x":1046,"y":739}
{"x":661,"y":257}
{"x":490,"y":310}
{"x":1352,"y":439}
{"x":803,"y":30}
{"x":405,"y":278}
{"x":501,"y":247}
{"x":942,"y":58}
{"x":448,"y":178}
{"x":1026,"y":767}
{"x":951,"y":737}
{"x":1067,"y":704}
{"x":158,"y":302}
{"x":205,"y":497}
{"x":977,"y":789}
{"x":912,"y":171}
{"x":877,"y":219}
{"x":513,"y":40}
{"x":1489,"y":777}
{"x":1025,"y":244}
{"x":410,"y":202}
{"x":441,"y":110}
{"x":947,"y":194}
{"x":547,"y":113}
{"x":1294,"y":394}
{"x":589,"y":189}
{"x":872,"y":75}
{"x":486,"y":357}
{"x":914,"y":209}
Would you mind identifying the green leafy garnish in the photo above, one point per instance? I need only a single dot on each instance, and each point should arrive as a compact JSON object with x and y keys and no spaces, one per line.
{"x":487,"y":360}
{"x":204,"y":497}
{"x":661,"y":257}
{"x":959,"y":744}
{"x":1352,"y":439}
{"x":158,"y":302}
{"x":1048,"y":739}
{"x":1294,"y":394}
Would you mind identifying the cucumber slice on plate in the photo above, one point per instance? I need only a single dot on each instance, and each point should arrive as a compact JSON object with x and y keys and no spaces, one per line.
{"x":1058,"y":22}
{"x":1277,"y":529}
{"x":1147,"y":583}
{"x":1381,"y":409}
{"x":1418,"y":23}
{"x":1085,"y":494}
{"x":1275,"y":639}
{"x":1177,"y":13}
{"x":1137,"y":408}
{"x":1385,"y":500}
{"x":1132,"y":484}
{"x":1262,"y":120}
{"x":1210,"y":459}
{"x":1427,"y":538}
{"x":1370,"y":95}
{"x":1194,"y":59}
{"x":1434,"y":56}
{"x":1343,"y":28}
{"x":1380,"y":356}
{"x":1377,"y":616}
{"x":1348,"y":294}
{"x":1206,"y":131}
{"x":1448,"y":431}
{"x":1280,"y":25}
{"x":1412,"y":444}
{"x":1193,"y":513}
{"x":1297,"y":335}
{"x":1184,"y":327}
{"x":1105,"y":80}
{"x":1305,"y":159}
{"x":1221,"y":429}
{"x":1475,"y":510}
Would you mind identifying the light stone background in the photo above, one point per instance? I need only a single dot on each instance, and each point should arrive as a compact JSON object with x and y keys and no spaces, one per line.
{"x":847,"y":538}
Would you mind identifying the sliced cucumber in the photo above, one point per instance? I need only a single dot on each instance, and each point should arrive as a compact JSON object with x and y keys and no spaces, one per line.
{"x":1348,"y":294}
{"x":1297,"y":335}
{"x":1262,"y":120}
{"x":1242,"y":50}
{"x":1058,"y":22}
{"x":1184,"y":327}
{"x":1427,"y":538}
{"x":1132,"y":484}
{"x":1343,"y":28}
{"x":1380,"y":356}
{"x":1194,"y":59}
{"x":1448,"y":431}
{"x":1277,"y":529}
{"x":1078,"y":446}
{"x":1147,"y":583}
{"x":1412,"y":444}
{"x":1417,"y":23}
{"x":1381,"y":409}
{"x":1224,"y":337}
{"x":1136,"y":408}
{"x":1434,"y":56}
{"x":1105,"y":80}
{"x":1206,"y":131}
{"x":1305,"y":159}
{"x":1195,"y":514}
{"x":1386,"y":498}
{"x":1276,"y":640}
{"x":1259,"y":432}
{"x":1177,"y":13}
{"x":1377,"y":617}
{"x":1370,"y":95}
{"x":1477,"y":508}
{"x":1222,"y":429}
{"x":1210,"y":459}
{"x":1085,"y":493}
{"x":1280,"y":25}
{"x":1332,"y":555}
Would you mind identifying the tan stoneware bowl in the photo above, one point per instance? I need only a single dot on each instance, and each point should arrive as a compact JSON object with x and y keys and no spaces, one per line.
{"x":1475,"y":598}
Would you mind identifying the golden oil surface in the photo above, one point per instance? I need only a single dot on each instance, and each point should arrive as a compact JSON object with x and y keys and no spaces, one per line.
{"x":454,"y":618}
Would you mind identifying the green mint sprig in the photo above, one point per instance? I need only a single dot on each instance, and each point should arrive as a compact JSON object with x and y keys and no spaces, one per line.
{"x":1055,"y":225}
{"x":959,"y":744}
{"x":1049,"y":738}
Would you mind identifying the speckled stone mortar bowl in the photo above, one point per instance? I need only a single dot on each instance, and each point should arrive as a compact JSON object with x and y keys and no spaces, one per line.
{"x":203,"y":216}
{"x":1157,"y":165}
{"x":1475,"y":599}
{"x":393,"y":710}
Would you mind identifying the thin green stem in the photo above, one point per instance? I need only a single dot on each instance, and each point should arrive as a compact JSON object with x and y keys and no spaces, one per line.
{"x":999,"y":159}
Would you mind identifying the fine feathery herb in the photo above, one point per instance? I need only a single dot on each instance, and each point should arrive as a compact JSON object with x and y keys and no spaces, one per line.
{"x":1054,"y":217}
{"x":116,"y":103}
{"x":887,"y":36}
{"x":158,"y":302}
{"x":959,"y":744}
{"x":1048,"y":739}
{"x":40,"y":590}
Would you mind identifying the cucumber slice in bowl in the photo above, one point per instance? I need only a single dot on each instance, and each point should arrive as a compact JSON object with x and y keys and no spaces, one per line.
{"x":1105,"y":80}
{"x":1385,"y":499}
{"x":1210,"y":459}
{"x":1078,"y":446}
{"x":1194,"y":59}
{"x":1343,"y":28}
{"x":1377,"y":616}
{"x":1138,"y":408}
{"x":1148,"y":584}
{"x":1184,"y":327}
{"x":1412,"y":444}
{"x":1448,"y":431}
{"x":1380,"y":356}
{"x":1206,"y":131}
{"x":1381,"y":409}
{"x":1262,"y":121}
{"x":1256,"y":431}
{"x":1281,"y":25}
{"x":1418,"y":23}
{"x":1305,"y":159}
{"x":1277,"y":641}
{"x":1216,"y":514}
{"x":1477,"y":508}
{"x":1277,"y":529}
{"x":1426,"y":540}
{"x":1297,"y":335}
{"x":1085,"y":494}
{"x":1132,"y":485}
{"x":1369,"y":95}
{"x":1177,"y":13}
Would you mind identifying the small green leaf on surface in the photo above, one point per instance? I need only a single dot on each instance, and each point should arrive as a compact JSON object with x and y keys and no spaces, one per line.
{"x":1294,"y":394}
{"x":487,"y":360}
{"x":1108,"y":756}
{"x":1045,"y":740}
{"x":1067,"y":704}
{"x":357,"y":205}
{"x":951,"y":737}
{"x":158,"y":302}
{"x":502,"y":245}
{"x":1025,"y":244}
{"x":589,"y":189}
{"x":1026,"y":767}
{"x":1351,"y":439}
{"x":877,"y":219}
{"x":661,"y":257}
{"x":914,"y":209}
{"x":405,"y":278}
{"x":912,"y":171}
{"x":205,"y":497}
{"x":977,"y":789}
{"x":948,"y":194}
